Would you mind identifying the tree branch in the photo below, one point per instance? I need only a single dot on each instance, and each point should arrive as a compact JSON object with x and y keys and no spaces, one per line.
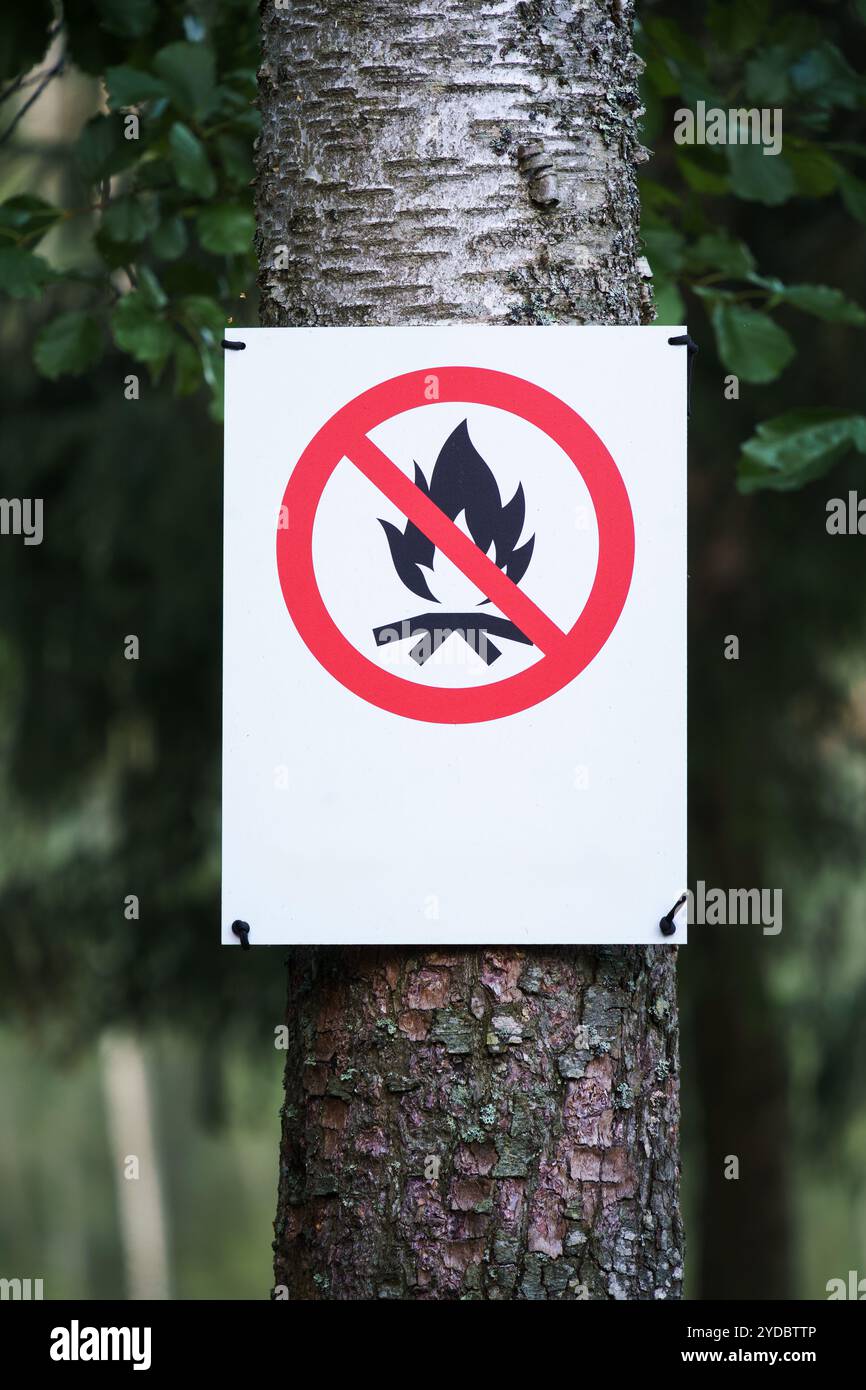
{"x":26,"y":79}
{"x":47,"y":77}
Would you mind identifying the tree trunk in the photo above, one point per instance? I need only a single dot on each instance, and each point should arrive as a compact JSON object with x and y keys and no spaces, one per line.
{"x":741,"y":1065}
{"x":465,"y":1123}
{"x":139,"y":1197}
{"x":740,"y":1080}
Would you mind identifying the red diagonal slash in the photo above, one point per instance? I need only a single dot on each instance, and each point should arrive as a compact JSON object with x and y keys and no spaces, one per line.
{"x":454,"y":543}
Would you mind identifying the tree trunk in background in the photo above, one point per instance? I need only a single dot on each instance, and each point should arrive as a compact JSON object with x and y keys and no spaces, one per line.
{"x":741,"y":1083}
{"x":140,"y":1202}
{"x":482,"y":1123}
{"x":741,"y":1066}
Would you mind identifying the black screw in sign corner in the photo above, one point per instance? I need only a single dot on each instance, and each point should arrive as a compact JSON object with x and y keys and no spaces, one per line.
{"x":687,"y":341}
{"x":242,"y":930}
{"x":667,"y":925}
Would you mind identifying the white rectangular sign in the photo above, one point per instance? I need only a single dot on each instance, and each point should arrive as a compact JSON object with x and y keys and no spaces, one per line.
{"x":454,"y":635}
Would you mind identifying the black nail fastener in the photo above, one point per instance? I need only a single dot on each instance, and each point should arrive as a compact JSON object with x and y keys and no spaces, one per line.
{"x":242,"y":929}
{"x":667,"y":925}
{"x":687,"y":341}
{"x":231,"y":346}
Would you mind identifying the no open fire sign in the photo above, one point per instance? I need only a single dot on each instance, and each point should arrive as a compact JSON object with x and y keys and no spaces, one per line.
{"x":454,"y":635}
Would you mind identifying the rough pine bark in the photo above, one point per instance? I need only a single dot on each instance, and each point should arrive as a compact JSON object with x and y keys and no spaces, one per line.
{"x":465,"y":1123}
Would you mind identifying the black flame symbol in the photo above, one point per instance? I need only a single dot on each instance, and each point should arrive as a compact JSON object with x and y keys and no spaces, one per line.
{"x":460,"y":482}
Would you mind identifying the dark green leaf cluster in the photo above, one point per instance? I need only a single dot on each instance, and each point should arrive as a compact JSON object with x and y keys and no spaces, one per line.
{"x":159,"y":187}
{"x":733,"y":56}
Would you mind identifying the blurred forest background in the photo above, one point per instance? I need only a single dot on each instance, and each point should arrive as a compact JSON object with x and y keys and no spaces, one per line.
{"x":122,"y":256}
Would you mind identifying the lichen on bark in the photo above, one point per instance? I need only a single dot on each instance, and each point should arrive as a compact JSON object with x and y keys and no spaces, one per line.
{"x":388,"y":172}
{"x":465,"y":1123}
{"x":480,"y":1124}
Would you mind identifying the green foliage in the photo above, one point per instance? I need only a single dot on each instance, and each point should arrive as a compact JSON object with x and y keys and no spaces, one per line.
{"x":759,"y":178}
{"x":23,"y":275}
{"x":26,"y":218}
{"x":739,"y":54}
{"x":189,"y":73}
{"x":176,"y":146}
{"x":190,"y":161}
{"x":750,"y":344}
{"x":141,"y":329}
{"x":70,"y":343}
{"x":226,"y":229}
{"x":109,"y":779}
{"x":99,"y":32}
{"x":793,"y":449}
{"x":128,"y":220}
{"x":131,"y":87}
{"x":103,"y":151}
{"x":823,"y":302}
{"x":24,"y":36}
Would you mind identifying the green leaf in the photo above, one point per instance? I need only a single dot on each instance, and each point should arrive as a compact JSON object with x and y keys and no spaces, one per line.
{"x":793,"y":449}
{"x":853,"y":195}
{"x":758,"y":177}
{"x":767,"y":76}
{"x":674,"y":41}
{"x":190,"y":161}
{"x":27,"y":217}
{"x":669,"y":304}
{"x":737,"y":24}
{"x":721,"y":252}
{"x":140,"y":330}
{"x":772,"y":284}
{"x":655,"y":198}
{"x":664,"y":247}
{"x":702,"y":179}
{"x":71,"y":343}
{"x":189,"y":72}
{"x":151,"y":288}
{"x":226,"y":229}
{"x":696,"y":85}
{"x":170,"y":239}
{"x":156,"y":173}
{"x":187,"y":368}
{"x":825,"y":75}
{"x":101,"y":149}
{"x":130,"y":87}
{"x":750,"y":344}
{"x":128,"y":220}
{"x":653,"y":124}
{"x":115,"y":254}
{"x":815,"y":173}
{"x":236,"y":158}
{"x":824,"y":302}
{"x":204,"y":316}
{"x":661,"y":79}
{"x":23,"y":275}
{"x":213,"y":368}
{"x":128,"y":19}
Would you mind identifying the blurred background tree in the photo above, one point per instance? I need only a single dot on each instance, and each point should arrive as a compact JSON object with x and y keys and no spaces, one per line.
{"x":125,"y":246}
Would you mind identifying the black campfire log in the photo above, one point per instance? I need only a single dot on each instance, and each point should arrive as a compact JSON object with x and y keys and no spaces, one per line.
{"x":436,"y":628}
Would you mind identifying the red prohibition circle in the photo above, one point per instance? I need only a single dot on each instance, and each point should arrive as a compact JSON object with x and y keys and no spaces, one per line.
{"x":554,"y":669}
